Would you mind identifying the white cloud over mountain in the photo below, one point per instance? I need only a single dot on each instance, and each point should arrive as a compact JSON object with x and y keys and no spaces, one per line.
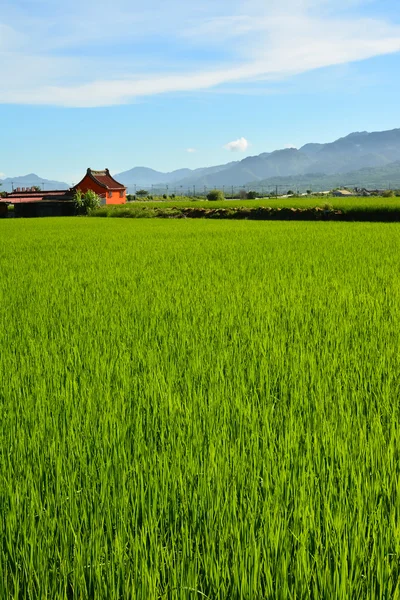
{"x":239,"y":145}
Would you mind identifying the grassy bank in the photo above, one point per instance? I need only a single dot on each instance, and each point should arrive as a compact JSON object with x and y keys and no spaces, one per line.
{"x":309,"y":208}
{"x":199,"y":409}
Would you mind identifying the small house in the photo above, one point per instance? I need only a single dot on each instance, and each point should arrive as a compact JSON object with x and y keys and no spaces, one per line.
{"x":342,"y":193}
{"x":104,"y":185}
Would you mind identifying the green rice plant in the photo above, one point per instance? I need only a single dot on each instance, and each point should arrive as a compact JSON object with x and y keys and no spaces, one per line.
{"x":199,"y":409}
{"x":357,"y":208}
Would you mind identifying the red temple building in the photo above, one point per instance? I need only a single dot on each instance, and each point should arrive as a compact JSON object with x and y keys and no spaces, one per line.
{"x":104,"y":185}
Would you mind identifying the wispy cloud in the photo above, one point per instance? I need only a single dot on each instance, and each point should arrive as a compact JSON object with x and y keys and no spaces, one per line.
{"x":93,"y":56}
{"x":239,"y":145}
{"x":191,"y":150}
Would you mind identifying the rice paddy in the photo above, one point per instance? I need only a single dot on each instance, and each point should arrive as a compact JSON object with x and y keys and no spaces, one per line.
{"x":199,"y":409}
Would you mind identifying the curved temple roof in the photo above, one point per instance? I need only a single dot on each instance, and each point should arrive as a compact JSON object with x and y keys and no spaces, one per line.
{"x":104,"y":179}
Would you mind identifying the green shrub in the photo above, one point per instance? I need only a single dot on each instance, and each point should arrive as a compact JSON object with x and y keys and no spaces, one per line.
{"x":86,"y":202}
{"x":215,"y":195}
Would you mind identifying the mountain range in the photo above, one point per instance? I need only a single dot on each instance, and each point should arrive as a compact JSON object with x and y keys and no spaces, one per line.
{"x":31,"y":180}
{"x":348,"y":154}
{"x":360,"y":158}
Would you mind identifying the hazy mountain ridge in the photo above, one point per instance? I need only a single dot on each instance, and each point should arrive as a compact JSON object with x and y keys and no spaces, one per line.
{"x":31,"y":180}
{"x":358,"y":150}
{"x":144,"y":176}
{"x":371,"y":178}
{"x":330,"y":162}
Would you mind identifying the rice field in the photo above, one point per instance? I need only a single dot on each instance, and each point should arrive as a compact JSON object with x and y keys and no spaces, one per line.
{"x":199,"y":409}
{"x":353,"y":208}
{"x":342,"y":203}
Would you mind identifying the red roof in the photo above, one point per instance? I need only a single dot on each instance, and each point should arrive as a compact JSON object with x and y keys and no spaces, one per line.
{"x":104,"y":179}
{"x":18,"y":197}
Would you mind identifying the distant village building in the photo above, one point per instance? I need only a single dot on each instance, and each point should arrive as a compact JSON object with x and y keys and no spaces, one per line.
{"x":342,"y":193}
{"x":104,"y":185}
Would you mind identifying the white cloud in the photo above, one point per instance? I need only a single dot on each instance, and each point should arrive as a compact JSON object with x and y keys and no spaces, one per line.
{"x":2,"y":175}
{"x":239,"y":145}
{"x":289,"y":146}
{"x":190,"y":150}
{"x":59,"y":62}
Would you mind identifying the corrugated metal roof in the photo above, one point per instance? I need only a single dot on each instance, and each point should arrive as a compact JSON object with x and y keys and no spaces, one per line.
{"x":18,"y":197}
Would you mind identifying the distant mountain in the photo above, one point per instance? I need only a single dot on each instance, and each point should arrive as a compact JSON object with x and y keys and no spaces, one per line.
{"x":274,"y":164}
{"x":31,"y":180}
{"x":360,"y":150}
{"x":361,"y":157}
{"x":387,"y":177}
{"x":145,"y":177}
{"x":355,"y":151}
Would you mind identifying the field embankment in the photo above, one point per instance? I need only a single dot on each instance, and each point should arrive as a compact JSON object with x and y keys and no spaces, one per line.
{"x":199,"y":409}
{"x":286,"y":209}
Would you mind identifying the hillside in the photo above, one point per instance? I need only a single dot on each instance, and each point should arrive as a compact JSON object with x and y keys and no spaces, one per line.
{"x":30,"y":181}
{"x":145,"y":177}
{"x":314,"y":161}
{"x":363,"y":159}
{"x":372,"y":178}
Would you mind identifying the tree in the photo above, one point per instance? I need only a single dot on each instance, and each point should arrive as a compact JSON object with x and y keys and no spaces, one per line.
{"x":86,"y":202}
{"x":215,"y":195}
{"x":252,"y":195}
{"x":290,"y":193}
{"x":142,"y":193}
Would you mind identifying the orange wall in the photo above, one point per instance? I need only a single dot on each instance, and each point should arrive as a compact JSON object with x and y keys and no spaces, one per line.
{"x":116,"y":199}
{"x":88,"y":184}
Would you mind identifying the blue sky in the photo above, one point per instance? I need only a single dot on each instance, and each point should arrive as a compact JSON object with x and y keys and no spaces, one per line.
{"x":173,"y":84}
